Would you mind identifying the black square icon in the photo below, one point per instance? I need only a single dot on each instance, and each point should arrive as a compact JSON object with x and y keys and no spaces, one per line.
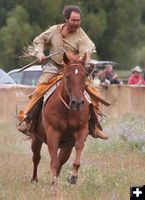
{"x":137,"y":192}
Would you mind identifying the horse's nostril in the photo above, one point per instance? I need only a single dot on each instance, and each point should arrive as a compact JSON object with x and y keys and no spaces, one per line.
{"x":83,"y":101}
{"x":73,"y":102}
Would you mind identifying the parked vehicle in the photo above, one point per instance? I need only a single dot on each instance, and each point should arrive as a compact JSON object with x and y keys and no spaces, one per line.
{"x":15,"y":75}
{"x":28,"y":76}
{"x":31,"y":75}
{"x":5,"y":78}
{"x":100,"y":64}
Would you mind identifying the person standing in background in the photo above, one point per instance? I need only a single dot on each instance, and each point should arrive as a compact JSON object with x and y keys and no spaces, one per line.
{"x":136,"y":77}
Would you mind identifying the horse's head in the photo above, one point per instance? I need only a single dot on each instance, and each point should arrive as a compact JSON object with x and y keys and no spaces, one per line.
{"x":74,"y":79}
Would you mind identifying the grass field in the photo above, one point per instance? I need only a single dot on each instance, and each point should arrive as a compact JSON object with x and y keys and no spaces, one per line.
{"x":108,"y":168}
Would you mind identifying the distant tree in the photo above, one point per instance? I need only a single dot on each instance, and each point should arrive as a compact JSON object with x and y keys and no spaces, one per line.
{"x":16,"y":34}
{"x":45,"y":13}
{"x":5,"y":7}
{"x":140,"y":56}
{"x":117,"y":27}
{"x":125,"y":31}
{"x":95,"y":25}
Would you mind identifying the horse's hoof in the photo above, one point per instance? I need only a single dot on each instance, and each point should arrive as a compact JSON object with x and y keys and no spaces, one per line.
{"x":54,"y":181}
{"x":72,"y":179}
{"x":54,"y":187}
{"x":34,"y":181}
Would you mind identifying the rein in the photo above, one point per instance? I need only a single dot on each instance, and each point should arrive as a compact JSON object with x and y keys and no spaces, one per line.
{"x":66,"y":69}
{"x":63,"y":101}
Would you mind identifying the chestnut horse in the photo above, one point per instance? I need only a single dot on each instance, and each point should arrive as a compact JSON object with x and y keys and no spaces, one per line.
{"x":63,"y":121}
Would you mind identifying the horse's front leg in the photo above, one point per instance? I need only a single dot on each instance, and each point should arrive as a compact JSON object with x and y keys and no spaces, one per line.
{"x":63,"y":156}
{"x":36,"y":147}
{"x":80,"y":137}
{"x":53,"y":142}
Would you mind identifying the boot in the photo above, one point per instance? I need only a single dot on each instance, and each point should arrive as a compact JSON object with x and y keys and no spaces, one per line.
{"x":98,"y":133}
{"x":24,"y":127}
{"x":27,"y":122}
{"x":95,"y":128}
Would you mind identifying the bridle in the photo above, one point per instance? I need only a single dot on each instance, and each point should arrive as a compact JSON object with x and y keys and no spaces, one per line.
{"x":64,"y":71}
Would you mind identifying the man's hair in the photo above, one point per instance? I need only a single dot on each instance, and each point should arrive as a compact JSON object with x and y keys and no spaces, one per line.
{"x":108,"y":65}
{"x":69,"y":9}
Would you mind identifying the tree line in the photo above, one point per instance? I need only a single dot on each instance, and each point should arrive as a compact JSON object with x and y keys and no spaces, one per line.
{"x":117,"y":27}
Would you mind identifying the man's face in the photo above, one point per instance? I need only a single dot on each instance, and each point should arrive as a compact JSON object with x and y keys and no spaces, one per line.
{"x":109,"y":69}
{"x":136,"y":73}
{"x":73,"y":23}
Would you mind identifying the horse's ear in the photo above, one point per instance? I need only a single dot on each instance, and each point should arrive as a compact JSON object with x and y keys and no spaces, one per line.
{"x":65,"y":58}
{"x":83,"y":58}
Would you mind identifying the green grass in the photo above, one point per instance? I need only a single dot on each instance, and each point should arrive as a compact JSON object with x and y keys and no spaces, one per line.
{"x":108,"y":168}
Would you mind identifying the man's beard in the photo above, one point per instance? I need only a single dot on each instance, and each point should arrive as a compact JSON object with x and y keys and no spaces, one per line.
{"x":73,"y":28}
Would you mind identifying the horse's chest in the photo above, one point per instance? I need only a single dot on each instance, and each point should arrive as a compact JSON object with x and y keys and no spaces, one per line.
{"x":74,"y":122}
{"x":68,"y":120}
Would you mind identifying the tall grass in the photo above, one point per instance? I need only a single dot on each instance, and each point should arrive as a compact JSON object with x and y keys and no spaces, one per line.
{"x":108,"y":168}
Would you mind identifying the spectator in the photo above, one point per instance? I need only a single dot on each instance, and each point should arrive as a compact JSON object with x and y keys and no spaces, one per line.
{"x":136,"y":77}
{"x":96,"y":81}
{"x":144,"y":74}
{"x":107,"y":76}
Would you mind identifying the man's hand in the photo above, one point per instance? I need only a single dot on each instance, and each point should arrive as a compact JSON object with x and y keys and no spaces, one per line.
{"x":115,"y":76}
{"x":41,"y":58}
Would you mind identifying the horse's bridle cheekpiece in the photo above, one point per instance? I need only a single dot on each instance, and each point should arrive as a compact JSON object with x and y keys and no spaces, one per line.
{"x":65,"y":70}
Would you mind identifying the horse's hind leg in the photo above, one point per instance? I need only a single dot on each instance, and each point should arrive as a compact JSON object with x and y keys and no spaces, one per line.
{"x":63,"y":156}
{"x":36,"y":147}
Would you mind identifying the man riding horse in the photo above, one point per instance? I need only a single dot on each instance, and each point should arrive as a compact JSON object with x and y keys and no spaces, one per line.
{"x":68,"y":36}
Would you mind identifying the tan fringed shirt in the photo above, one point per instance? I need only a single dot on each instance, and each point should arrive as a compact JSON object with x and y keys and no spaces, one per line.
{"x":78,"y":42}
